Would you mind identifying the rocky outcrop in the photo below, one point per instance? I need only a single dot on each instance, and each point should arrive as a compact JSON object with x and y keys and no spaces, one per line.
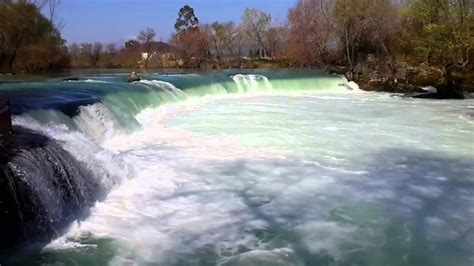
{"x":440,"y":94}
{"x":133,"y":77}
{"x":42,"y":188}
{"x":404,"y":78}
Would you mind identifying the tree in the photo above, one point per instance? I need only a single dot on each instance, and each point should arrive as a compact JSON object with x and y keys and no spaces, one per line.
{"x":48,"y":55}
{"x":191,"y":42}
{"x":75,"y":50}
{"x":235,"y":37}
{"x":111,"y":48}
{"x":132,"y":45}
{"x":87,"y":52}
{"x":130,"y":54}
{"x":217,"y":35}
{"x":275,"y":37}
{"x":256,"y":24}
{"x":442,"y":31}
{"x":226,"y":40}
{"x":311,"y":28}
{"x":365,"y":27}
{"x":186,"y":19}
{"x":23,"y":29}
{"x":97,"y":50}
{"x":52,"y":6}
{"x":193,"y":46}
{"x":91,"y":53}
{"x":146,"y":38}
{"x":75,"y":55}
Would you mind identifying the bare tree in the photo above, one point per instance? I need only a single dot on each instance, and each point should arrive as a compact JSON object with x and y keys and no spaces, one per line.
{"x":237,"y":42}
{"x":146,"y":38}
{"x":311,"y":27}
{"x":365,"y":27}
{"x":52,"y":6}
{"x":256,"y":23}
{"x":192,"y":45}
{"x":235,"y":37}
{"x":274,"y":38}
{"x":217,"y":35}
{"x":111,"y":48}
{"x":74,"y":51}
{"x":97,"y":50}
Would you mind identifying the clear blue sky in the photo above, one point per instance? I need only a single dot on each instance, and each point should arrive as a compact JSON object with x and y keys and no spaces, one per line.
{"x":118,"y":20}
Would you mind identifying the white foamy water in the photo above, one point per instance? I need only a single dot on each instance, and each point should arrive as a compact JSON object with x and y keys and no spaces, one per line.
{"x":252,"y":83}
{"x":349,"y":179}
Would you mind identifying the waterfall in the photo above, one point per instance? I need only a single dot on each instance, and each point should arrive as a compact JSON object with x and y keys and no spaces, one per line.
{"x":252,"y":83}
{"x":42,"y":188}
{"x":55,"y":165}
{"x":275,"y":167}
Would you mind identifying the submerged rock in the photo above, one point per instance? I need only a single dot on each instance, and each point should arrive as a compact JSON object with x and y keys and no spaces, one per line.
{"x":42,"y":188}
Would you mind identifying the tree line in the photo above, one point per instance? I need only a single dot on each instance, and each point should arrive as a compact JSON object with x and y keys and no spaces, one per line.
{"x":317,"y":33}
{"x":193,"y":45}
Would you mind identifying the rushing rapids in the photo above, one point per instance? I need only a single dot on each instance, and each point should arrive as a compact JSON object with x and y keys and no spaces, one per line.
{"x":43,"y":188}
{"x":235,"y":168}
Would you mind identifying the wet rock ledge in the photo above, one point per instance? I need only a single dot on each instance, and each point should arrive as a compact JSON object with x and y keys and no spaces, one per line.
{"x":5,"y":118}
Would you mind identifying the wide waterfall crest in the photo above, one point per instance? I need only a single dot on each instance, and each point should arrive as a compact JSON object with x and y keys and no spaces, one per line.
{"x":82,"y":131}
{"x":87,"y":81}
{"x":252,"y":83}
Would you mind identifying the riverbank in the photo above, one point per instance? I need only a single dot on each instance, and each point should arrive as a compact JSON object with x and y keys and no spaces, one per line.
{"x":403,"y":78}
{"x":409,"y":79}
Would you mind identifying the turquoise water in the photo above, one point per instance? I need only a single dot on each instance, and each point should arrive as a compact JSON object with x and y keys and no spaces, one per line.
{"x":269,"y":168}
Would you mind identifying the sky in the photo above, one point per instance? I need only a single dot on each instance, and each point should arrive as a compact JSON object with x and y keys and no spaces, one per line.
{"x":116,"y":21}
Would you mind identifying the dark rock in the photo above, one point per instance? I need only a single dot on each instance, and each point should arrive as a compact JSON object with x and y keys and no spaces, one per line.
{"x":422,"y":95}
{"x":5,"y":117}
{"x":440,"y":94}
{"x":428,"y":95}
{"x":42,"y":189}
{"x":71,"y":79}
{"x":133,"y":77}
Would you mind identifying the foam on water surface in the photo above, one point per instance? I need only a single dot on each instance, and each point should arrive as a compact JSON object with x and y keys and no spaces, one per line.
{"x":291,"y":180}
{"x":268,"y":176}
